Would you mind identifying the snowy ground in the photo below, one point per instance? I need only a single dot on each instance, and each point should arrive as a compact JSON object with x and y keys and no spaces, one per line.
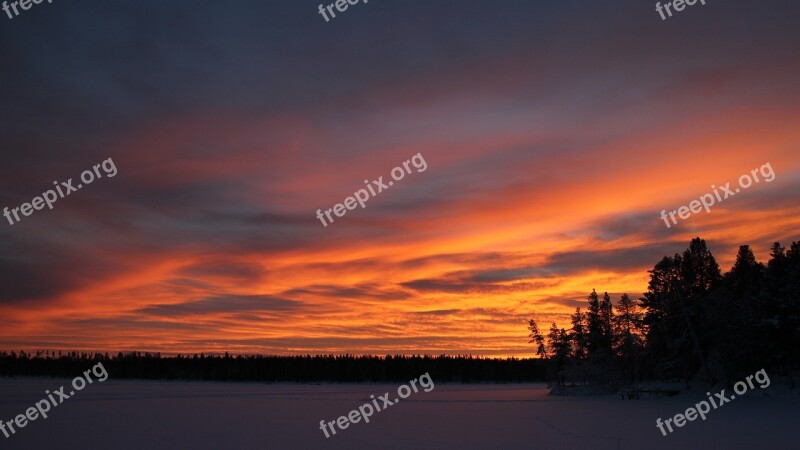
{"x":188,"y":415}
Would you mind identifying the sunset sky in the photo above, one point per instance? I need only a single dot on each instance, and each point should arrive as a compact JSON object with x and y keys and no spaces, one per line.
{"x":554,"y":134}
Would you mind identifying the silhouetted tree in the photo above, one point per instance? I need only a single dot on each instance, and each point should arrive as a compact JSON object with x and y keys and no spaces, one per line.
{"x":693,"y":321}
{"x":628,"y":341}
{"x":579,"y":335}
{"x":594,"y":320}
{"x":627,"y":325}
{"x":559,"y":343}
{"x":737,"y":341}
{"x":538,"y":339}
{"x":560,"y":349}
{"x":782,"y":304}
{"x":606,"y":323}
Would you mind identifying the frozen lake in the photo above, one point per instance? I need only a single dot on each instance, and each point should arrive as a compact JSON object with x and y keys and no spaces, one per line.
{"x":197,"y":415}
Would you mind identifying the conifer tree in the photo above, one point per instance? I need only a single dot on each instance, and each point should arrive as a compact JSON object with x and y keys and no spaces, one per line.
{"x":579,"y":335}
{"x":538,"y":339}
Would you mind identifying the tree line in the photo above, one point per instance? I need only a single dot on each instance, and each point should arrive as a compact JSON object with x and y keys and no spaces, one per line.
{"x":692,"y":323}
{"x":303,"y":369}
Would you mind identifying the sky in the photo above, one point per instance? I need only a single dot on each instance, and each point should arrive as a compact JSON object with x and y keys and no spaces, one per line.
{"x":553,"y":135}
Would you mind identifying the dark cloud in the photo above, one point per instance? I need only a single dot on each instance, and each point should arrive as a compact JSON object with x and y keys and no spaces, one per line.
{"x":138,"y":325}
{"x":479,"y":259}
{"x":30,"y":281}
{"x":497,"y":275}
{"x":180,"y":285}
{"x":224,"y":304}
{"x":620,"y":259}
{"x":243,"y":272}
{"x":464,"y":287}
{"x":437,"y":312}
{"x":485,"y":281}
{"x":38,"y":271}
{"x":359,"y":291}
